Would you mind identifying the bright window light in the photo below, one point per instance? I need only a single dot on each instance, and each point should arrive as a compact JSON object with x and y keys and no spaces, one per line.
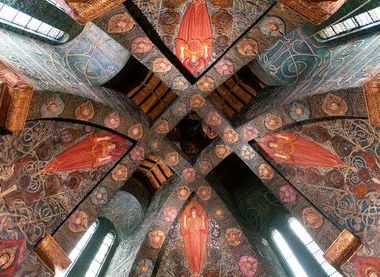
{"x":55,"y":3}
{"x":288,"y":255}
{"x":313,"y":248}
{"x":366,"y":19}
{"x":22,"y":21}
{"x":78,"y":249}
{"x":100,"y":256}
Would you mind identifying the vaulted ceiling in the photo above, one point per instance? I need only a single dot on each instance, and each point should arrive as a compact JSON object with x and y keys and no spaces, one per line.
{"x":235,"y":109}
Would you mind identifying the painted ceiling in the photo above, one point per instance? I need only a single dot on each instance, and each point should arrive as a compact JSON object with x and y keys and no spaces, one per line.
{"x":145,"y":157}
{"x":220,"y":24}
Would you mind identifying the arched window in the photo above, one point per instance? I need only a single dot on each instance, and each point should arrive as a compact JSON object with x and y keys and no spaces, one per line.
{"x":22,"y":21}
{"x":312,"y":246}
{"x":93,"y":251}
{"x":287,"y":254}
{"x":353,"y":24}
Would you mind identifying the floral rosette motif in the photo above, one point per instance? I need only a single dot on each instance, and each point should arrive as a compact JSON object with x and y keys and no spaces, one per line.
{"x":135,"y":131}
{"x":206,"y":84}
{"x":85,"y":111}
{"x":156,"y":238}
{"x":209,"y":131}
{"x":189,"y":175}
{"x":179,"y":83}
{"x":312,"y":218}
{"x":141,"y":45}
{"x":273,"y":26}
{"x":266,"y":172}
{"x":273,"y":122}
{"x":170,"y":213}
{"x":53,"y":107}
{"x":248,"y":47}
{"x":204,"y":192}
{"x":179,"y":109}
{"x":120,"y":173}
{"x":230,"y":136}
{"x":172,"y":158}
{"x":222,"y":151}
{"x":213,"y":119}
{"x":299,"y":111}
{"x":248,"y":266}
{"x":247,"y":152}
{"x":233,"y":236}
{"x":183,"y":192}
{"x":250,"y":133}
{"x":162,"y":127}
{"x":120,"y":23}
{"x":100,"y":197}
{"x":197,"y":101}
{"x":225,"y":67}
{"x":334,"y":105}
{"x":287,"y":194}
{"x":204,"y":166}
{"x":112,"y":120}
{"x":137,"y":153}
{"x":144,"y":268}
{"x":161,"y":65}
{"x":78,"y":222}
{"x":219,"y":213}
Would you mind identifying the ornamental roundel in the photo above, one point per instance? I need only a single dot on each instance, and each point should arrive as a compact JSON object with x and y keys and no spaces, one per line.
{"x":266,"y":172}
{"x":250,"y":132}
{"x":247,"y":152}
{"x":161,"y":65}
{"x":169,"y":213}
{"x":85,"y":111}
{"x":230,"y":135}
{"x":197,"y":101}
{"x":287,"y":194}
{"x":206,"y":84}
{"x":172,"y":158}
{"x":204,"y":192}
{"x":312,"y":218}
{"x":135,"y":131}
{"x":189,"y":175}
{"x":222,"y":151}
{"x":225,"y":67}
{"x":233,"y":236}
{"x":248,"y":47}
{"x":156,"y":238}
{"x":162,"y":127}
{"x":120,"y":173}
{"x":53,"y":107}
{"x":120,"y":23}
{"x":273,"y":122}
{"x":183,"y":192}
{"x":78,"y":222}
{"x":334,"y":105}
{"x":141,"y":45}
{"x":213,"y":119}
{"x":112,"y":120}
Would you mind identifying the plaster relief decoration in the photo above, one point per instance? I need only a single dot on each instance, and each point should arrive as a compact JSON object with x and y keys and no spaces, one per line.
{"x":194,"y":232}
{"x":87,"y":10}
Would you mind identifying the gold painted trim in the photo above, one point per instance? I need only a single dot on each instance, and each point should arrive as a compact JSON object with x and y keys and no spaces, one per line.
{"x":51,"y":254}
{"x":342,"y":249}
{"x":84,"y":11}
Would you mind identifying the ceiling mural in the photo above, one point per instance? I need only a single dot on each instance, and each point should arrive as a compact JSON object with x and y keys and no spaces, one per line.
{"x":318,"y":156}
{"x":41,"y":182}
{"x":344,"y":183}
{"x":200,"y":32}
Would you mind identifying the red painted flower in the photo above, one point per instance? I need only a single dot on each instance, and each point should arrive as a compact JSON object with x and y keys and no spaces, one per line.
{"x":224,"y":67}
{"x":141,"y":45}
{"x":248,"y":266}
{"x":287,"y":194}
